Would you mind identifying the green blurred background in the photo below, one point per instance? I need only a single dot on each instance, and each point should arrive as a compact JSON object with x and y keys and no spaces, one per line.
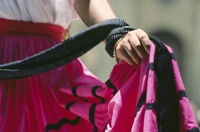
{"x":175,"y":22}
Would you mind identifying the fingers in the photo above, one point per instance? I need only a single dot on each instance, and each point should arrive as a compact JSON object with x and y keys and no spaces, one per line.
{"x":144,"y":39}
{"x":123,"y":55}
{"x":132,"y":53}
{"x":127,"y":53}
{"x":133,"y":47}
{"x":137,"y":46}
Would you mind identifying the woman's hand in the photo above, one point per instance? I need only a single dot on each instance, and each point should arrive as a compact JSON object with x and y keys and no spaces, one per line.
{"x":133,"y":47}
{"x":136,"y":43}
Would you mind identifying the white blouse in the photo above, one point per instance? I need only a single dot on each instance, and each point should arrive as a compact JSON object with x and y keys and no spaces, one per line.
{"x":59,"y":12}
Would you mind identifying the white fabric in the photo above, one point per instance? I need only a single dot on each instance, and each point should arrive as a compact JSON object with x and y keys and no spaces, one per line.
{"x":59,"y":12}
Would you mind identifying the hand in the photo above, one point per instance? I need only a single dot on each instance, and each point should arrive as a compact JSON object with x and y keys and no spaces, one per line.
{"x":133,"y":47}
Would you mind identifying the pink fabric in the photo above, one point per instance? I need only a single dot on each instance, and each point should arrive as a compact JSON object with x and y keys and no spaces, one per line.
{"x":28,"y":105}
{"x":73,"y":93}
{"x":136,"y":81}
{"x":186,"y":115}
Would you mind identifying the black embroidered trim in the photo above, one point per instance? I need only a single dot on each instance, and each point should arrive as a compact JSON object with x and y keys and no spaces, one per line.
{"x":74,"y":88}
{"x":95,"y":95}
{"x":67,"y":106}
{"x":109,"y":84}
{"x":91,"y":116}
{"x":150,"y":106}
{"x":141,"y":101}
{"x":74,"y":91}
{"x":194,"y":130}
{"x":151,"y":66}
{"x":181,"y":94}
{"x":62,"y":122}
{"x":172,"y":56}
{"x":168,"y":107}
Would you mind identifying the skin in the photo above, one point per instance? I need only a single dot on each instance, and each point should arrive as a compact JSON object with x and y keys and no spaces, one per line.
{"x":132,"y":48}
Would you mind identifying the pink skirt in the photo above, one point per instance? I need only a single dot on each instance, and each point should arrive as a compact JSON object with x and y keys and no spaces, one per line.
{"x":67,"y":99}
{"x":70,"y":98}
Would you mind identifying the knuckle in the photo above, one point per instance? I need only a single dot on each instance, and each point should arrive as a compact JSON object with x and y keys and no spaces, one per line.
{"x":139,"y":30}
{"x":118,"y":49}
{"x":147,"y":44}
{"x":129,"y":34}
{"x":144,"y":37}
{"x":123,"y":41}
{"x":137,"y":46}
{"x":141,"y":33}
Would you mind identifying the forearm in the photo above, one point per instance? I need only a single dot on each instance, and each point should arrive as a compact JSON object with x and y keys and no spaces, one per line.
{"x":93,"y":11}
{"x":134,"y":46}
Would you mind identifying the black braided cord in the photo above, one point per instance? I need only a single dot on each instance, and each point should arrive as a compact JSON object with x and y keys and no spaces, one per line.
{"x":62,"y":53}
